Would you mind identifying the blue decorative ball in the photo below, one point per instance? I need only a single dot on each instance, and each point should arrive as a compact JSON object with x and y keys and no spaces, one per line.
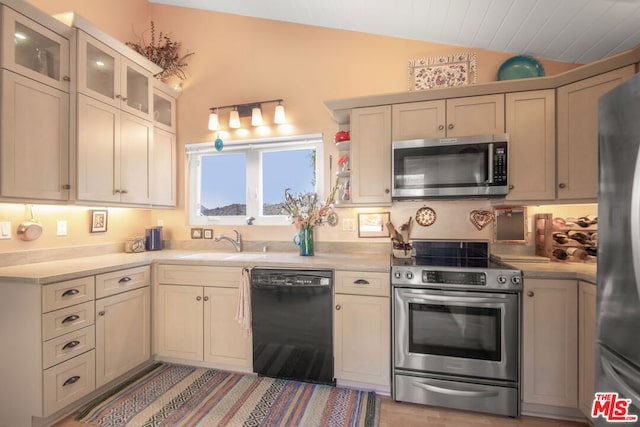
{"x":219,"y":144}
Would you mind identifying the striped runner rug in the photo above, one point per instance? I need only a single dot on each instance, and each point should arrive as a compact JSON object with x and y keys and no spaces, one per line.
{"x":177,"y":395}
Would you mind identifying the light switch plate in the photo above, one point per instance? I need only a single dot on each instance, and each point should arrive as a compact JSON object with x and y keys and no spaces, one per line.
{"x":5,"y":229}
{"x":62,"y":228}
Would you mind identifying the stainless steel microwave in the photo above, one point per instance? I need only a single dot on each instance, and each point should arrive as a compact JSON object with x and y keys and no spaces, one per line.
{"x":471,"y":166}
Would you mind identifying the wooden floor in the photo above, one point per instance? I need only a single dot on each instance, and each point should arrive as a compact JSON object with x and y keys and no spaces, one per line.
{"x":394,"y":414}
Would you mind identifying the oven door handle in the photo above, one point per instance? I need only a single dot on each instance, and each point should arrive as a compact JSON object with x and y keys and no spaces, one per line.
{"x":446,"y":298}
{"x":455,"y":392}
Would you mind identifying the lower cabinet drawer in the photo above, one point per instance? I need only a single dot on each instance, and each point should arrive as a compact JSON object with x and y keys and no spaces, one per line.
{"x":65,"y":347}
{"x":362,"y":283}
{"x":122,"y":280}
{"x":67,"y":320}
{"x":69,"y":381}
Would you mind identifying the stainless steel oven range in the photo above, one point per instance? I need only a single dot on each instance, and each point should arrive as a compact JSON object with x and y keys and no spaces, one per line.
{"x":456,"y":328}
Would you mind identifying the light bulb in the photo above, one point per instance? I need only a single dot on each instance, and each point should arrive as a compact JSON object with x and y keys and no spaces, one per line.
{"x":213,"y":121}
{"x":256,"y":116}
{"x":234,"y":119}
{"x":279,"y":116}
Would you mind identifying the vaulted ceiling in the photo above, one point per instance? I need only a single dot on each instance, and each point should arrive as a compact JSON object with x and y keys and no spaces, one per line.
{"x":578,"y":31}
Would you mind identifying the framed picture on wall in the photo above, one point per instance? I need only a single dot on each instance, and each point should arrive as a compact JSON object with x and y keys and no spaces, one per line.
{"x":373,"y":224}
{"x":98,"y":221}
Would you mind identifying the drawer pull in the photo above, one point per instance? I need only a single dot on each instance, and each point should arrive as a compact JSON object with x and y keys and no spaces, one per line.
{"x":70,"y":292}
{"x":70,"y":344}
{"x":125,"y":279}
{"x":71,"y":318}
{"x":74,"y":379}
{"x":360,"y":282}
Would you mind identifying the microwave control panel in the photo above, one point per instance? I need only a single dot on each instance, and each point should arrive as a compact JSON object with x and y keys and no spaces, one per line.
{"x":500,"y":164}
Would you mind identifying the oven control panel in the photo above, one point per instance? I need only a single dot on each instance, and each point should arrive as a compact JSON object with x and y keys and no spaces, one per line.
{"x":490,"y":279}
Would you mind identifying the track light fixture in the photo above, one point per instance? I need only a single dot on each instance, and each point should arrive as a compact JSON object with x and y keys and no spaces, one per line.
{"x":253,"y":109}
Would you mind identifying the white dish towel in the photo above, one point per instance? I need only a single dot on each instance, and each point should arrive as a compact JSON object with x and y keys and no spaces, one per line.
{"x":243,"y":310}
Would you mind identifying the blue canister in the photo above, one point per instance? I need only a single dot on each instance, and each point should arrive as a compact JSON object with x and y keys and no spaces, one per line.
{"x":153,"y":239}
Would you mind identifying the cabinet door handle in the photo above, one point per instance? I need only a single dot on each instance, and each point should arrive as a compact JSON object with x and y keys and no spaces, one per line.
{"x":450,"y":126}
{"x":386,"y":190}
{"x":123,"y":191}
{"x":124,"y":98}
{"x":361,"y":282}
{"x":102,"y":313}
{"x":74,"y":379}
{"x":206,"y":298}
{"x":198,"y":298}
{"x":116,"y":191}
{"x":441,"y":127}
{"x":70,"y":292}
{"x":125,"y":279}
{"x":338,"y":307}
{"x":71,"y":318}
{"x":66,"y":78}
{"x":118,"y":97}
{"x":511,"y":187}
{"x":66,"y":187}
{"x":530,"y":294}
{"x":562,"y":185}
{"x":70,"y":344}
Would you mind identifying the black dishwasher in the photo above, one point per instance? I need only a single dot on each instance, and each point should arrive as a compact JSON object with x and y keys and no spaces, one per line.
{"x":292,"y":322}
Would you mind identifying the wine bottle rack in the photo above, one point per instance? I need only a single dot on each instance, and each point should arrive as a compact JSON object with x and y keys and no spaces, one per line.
{"x":565,"y":242}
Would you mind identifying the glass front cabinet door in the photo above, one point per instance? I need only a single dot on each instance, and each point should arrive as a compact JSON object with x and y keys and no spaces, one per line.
{"x":108,"y":76}
{"x":34,"y":51}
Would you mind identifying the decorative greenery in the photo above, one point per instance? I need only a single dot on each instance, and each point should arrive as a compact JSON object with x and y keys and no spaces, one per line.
{"x":164,"y":53}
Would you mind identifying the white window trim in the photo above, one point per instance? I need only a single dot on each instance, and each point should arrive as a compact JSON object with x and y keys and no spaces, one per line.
{"x":194,"y":151}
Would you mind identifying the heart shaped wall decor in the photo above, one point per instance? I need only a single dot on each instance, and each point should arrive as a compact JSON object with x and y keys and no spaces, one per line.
{"x":480,"y":218}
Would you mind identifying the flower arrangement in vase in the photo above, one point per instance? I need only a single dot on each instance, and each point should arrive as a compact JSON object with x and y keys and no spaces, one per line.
{"x":306,"y":211}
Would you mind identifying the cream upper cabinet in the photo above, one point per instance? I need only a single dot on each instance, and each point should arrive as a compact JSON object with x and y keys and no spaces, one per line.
{"x":162,"y":168}
{"x":476,"y":115}
{"x":162,"y":153}
{"x":34,"y":159}
{"x":362,"y":328}
{"x":110,"y":77}
{"x":587,"y":346}
{"x":550,"y":343}
{"x":530,"y":123}
{"x":34,"y":51}
{"x":113,"y":152}
{"x":419,"y":120}
{"x":578,"y":133}
{"x":371,"y":155}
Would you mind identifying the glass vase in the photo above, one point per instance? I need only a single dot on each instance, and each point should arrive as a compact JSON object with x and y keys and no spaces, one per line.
{"x":304,"y":239}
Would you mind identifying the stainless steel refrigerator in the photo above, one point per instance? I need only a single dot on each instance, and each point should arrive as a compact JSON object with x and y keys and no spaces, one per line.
{"x":618,"y":287}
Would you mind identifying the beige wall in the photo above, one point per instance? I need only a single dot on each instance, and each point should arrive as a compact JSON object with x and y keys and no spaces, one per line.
{"x":240,"y":59}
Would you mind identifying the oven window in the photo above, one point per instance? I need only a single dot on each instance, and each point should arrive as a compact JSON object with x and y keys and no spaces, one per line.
{"x":457,"y":331}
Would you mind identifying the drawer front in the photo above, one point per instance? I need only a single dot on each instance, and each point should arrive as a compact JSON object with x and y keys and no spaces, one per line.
{"x":62,"y":348}
{"x":362,"y":283}
{"x":122,"y":281}
{"x":67,"y":320}
{"x":69,"y":381}
{"x":64,"y":294}
{"x":225,"y":277}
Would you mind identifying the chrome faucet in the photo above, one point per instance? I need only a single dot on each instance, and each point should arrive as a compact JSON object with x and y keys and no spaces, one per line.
{"x":237,"y":243}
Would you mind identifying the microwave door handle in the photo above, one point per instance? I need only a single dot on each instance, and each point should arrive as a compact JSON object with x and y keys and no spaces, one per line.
{"x":490,"y":166}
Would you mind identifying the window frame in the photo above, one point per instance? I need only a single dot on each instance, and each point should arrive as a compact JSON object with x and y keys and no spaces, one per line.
{"x":253,"y":149}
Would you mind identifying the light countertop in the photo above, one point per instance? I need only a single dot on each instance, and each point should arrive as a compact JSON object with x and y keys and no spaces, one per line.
{"x":56,"y":271}
{"x":535,"y":267}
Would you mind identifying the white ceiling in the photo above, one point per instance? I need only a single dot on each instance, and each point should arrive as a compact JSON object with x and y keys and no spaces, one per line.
{"x":578,"y":31}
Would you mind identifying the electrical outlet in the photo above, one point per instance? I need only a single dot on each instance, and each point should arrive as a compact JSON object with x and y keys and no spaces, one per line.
{"x":160,"y":223}
{"x":62,"y":228}
{"x":348,"y":224}
{"x":5,"y":230}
